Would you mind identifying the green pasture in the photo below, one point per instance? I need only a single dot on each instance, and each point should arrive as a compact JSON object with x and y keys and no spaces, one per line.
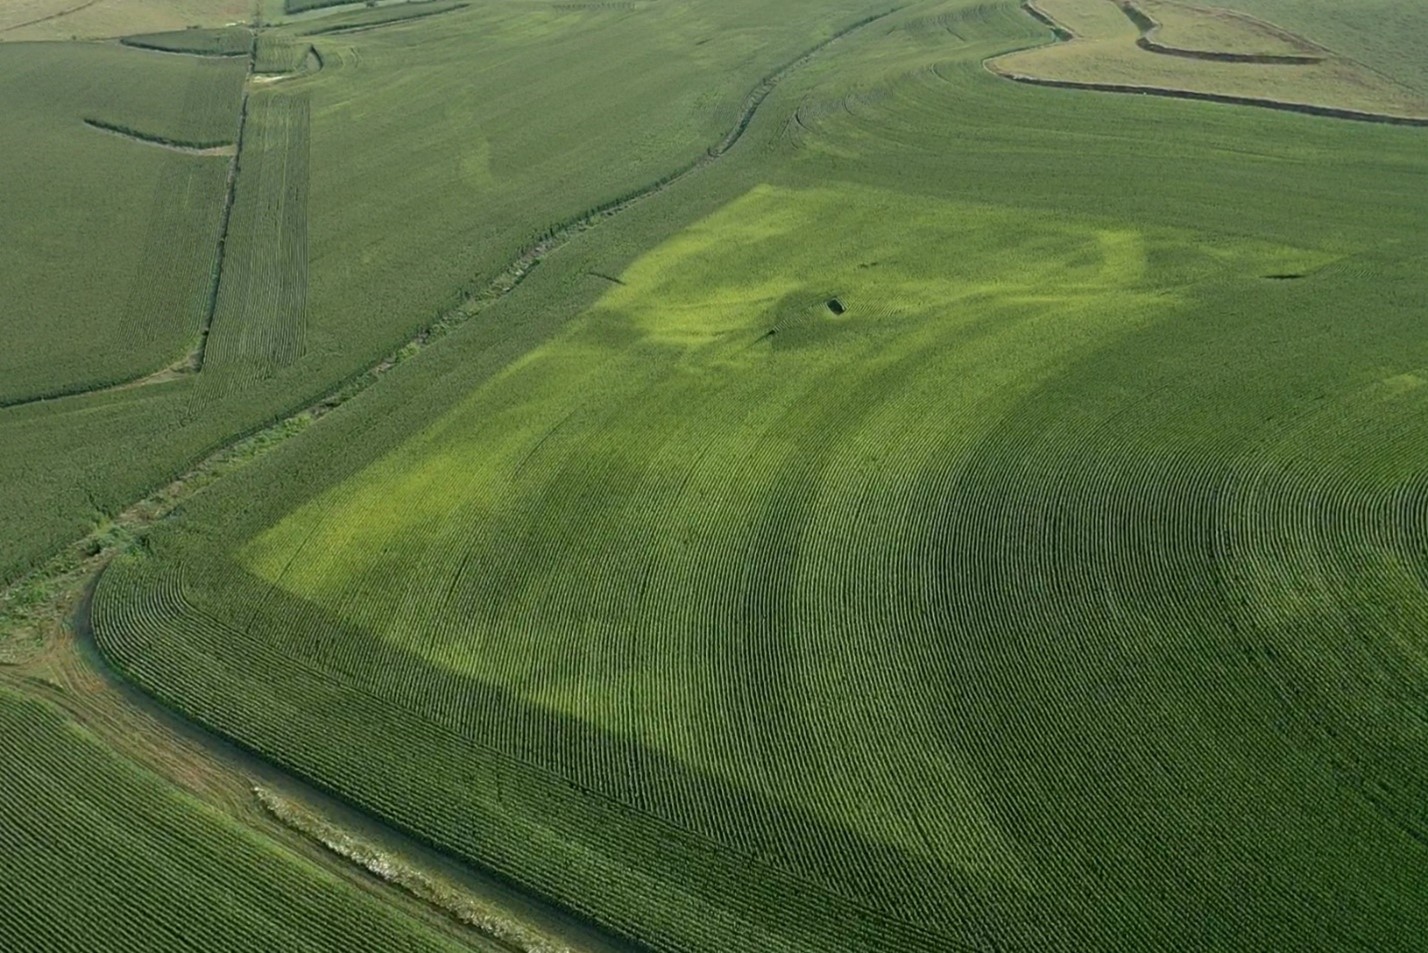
{"x":98,"y":854}
{"x":1062,"y":592}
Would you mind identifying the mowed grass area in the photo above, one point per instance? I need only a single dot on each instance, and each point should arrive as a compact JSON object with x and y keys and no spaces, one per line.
{"x":107,"y":264}
{"x":499,"y":121}
{"x":1104,"y":51}
{"x":98,"y":854}
{"x":1062,"y":592}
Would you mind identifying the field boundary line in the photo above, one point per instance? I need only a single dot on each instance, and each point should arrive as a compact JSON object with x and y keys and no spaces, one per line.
{"x":399,"y":872}
{"x":1062,"y":34}
{"x":241,"y":448}
{"x":1149,"y":27}
{"x":344,"y":30}
{"x":133,"y":44}
{"x":1169,"y":92}
{"x":71,"y":674}
{"x":52,"y":16}
{"x":196,"y":358}
{"x":163,"y":375}
{"x":173,"y":145}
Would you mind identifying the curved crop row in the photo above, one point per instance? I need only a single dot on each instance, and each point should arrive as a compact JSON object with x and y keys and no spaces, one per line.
{"x":98,"y":855}
{"x":1003,"y":608}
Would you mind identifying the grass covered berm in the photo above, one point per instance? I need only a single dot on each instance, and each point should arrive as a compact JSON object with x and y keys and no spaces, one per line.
{"x":227,"y":41}
{"x":97,"y":854}
{"x":1060,"y":589}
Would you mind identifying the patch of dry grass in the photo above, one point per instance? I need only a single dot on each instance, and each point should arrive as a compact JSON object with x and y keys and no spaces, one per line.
{"x":1210,"y":29}
{"x":1104,"y":52}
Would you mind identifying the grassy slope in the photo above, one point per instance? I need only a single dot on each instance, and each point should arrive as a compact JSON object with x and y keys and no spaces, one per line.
{"x":492,"y":137}
{"x":1215,"y":30}
{"x":1064,"y":593}
{"x":106,"y":268}
{"x":1105,"y":52}
{"x":96,"y":854}
{"x":75,"y":19}
{"x":1386,"y":35}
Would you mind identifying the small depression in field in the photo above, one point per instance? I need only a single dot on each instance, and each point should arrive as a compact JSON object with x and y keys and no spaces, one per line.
{"x":836,"y":306}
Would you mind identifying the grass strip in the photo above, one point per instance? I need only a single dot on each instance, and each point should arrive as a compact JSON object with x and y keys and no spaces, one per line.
{"x":439,"y":893}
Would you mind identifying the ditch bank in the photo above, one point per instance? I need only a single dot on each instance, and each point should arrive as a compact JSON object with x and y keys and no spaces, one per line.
{"x":1150,"y":29}
{"x":524,"y":922}
{"x":173,"y":145}
{"x":1306,"y":109}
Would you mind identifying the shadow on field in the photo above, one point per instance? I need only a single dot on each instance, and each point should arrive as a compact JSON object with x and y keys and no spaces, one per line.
{"x":1137,"y":697}
{"x":505,"y":895}
{"x":533,"y":794}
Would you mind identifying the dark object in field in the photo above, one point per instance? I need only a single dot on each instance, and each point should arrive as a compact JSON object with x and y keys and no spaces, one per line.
{"x":836,"y":306}
{"x":1285,"y":277}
